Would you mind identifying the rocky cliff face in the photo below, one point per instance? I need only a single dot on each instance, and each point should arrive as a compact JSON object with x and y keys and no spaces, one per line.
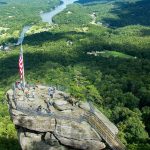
{"x":51,"y":122}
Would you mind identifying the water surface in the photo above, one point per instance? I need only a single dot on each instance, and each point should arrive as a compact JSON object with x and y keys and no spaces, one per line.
{"x":48,"y":16}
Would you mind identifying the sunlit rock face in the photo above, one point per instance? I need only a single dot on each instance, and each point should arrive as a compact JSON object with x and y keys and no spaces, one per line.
{"x":49,"y":119}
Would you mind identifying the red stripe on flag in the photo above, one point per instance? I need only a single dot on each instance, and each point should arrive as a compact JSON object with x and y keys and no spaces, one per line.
{"x":21,"y":66}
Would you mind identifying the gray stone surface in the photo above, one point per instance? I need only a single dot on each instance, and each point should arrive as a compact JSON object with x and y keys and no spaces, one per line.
{"x":62,"y":105}
{"x":35,"y":123}
{"x":51,"y":123}
{"x":78,"y":135}
{"x":84,"y":105}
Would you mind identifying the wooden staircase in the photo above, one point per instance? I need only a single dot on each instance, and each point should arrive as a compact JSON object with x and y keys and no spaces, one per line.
{"x":104,"y":131}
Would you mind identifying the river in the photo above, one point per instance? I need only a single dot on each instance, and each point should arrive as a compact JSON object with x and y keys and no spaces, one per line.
{"x":46,"y":17}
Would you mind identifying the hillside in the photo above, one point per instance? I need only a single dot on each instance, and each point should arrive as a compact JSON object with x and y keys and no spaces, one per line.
{"x":117,"y":78}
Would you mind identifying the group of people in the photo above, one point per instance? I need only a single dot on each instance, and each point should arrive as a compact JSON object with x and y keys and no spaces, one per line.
{"x":19,"y":85}
{"x":25,"y":88}
{"x":29,"y":94}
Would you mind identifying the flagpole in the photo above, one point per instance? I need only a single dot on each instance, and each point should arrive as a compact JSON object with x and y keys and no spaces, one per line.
{"x":23,"y":78}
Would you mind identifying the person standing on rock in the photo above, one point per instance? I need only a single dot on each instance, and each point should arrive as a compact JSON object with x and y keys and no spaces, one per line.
{"x":51,"y":91}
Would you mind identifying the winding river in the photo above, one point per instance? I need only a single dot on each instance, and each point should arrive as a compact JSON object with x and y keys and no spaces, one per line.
{"x":46,"y":17}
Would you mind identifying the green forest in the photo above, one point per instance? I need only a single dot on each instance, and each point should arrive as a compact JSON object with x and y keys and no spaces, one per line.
{"x":99,"y":46}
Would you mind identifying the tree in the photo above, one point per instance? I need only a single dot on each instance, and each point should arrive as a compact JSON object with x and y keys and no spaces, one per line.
{"x":134,"y":130}
{"x":146,"y":117}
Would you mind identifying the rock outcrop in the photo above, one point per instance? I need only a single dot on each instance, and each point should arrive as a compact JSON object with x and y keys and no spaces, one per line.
{"x":51,"y":123}
{"x":49,"y":119}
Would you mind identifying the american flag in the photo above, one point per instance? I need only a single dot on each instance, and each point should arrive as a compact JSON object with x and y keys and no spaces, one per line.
{"x":21,"y":66}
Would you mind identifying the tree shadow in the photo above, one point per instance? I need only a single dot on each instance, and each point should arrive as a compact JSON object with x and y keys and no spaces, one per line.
{"x":9,"y":144}
{"x":42,"y":37}
{"x":39,"y":38}
{"x":92,"y":1}
{"x":3,"y":3}
{"x":97,"y":44}
{"x":130,"y":14}
{"x":145,"y":32}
